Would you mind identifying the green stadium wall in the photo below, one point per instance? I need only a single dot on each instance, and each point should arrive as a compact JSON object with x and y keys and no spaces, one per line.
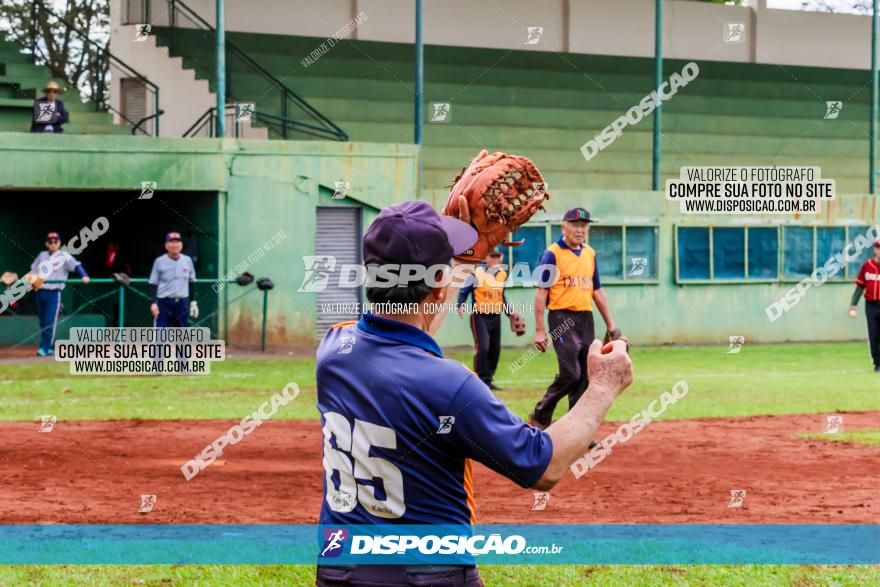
{"x":266,"y":186}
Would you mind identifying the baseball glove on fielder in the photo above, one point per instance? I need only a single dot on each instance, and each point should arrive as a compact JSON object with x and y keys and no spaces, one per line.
{"x":496,"y":194}
{"x":35,"y":280}
{"x":517,"y":324}
{"x":245,"y":278}
{"x":122,"y":279}
{"x":615,"y":335}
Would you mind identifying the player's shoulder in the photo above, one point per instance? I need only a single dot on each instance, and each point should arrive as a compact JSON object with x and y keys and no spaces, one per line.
{"x":550,"y":254}
{"x":335,"y":334}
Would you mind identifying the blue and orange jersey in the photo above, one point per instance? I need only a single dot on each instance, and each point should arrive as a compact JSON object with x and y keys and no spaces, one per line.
{"x":869,"y":278}
{"x":577,"y":279}
{"x":402,"y":424}
{"x":485,"y":287}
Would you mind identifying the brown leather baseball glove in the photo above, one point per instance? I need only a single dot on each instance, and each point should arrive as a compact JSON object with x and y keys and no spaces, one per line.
{"x":496,"y":194}
{"x":122,"y":278}
{"x":35,"y":280}
{"x":517,"y":323}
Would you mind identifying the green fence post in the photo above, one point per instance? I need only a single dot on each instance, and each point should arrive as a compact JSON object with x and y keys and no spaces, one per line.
{"x":265,"y":305}
{"x":220,"y":52}
{"x":121,"y":305}
{"x":658,"y":79}
{"x":872,"y":164}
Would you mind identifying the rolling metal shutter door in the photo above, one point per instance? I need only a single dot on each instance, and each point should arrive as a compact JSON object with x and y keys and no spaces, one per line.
{"x":134,"y":99}
{"x":338,"y":235}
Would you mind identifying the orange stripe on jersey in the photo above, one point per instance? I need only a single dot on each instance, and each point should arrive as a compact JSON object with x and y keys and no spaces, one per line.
{"x":573,"y":289}
{"x":344,"y":324}
{"x":469,"y":488}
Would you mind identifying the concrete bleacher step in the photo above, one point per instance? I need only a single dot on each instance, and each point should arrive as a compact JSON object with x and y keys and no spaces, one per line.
{"x":547,"y":105}
{"x":363,"y":68}
{"x":614,"y":103}
{"x":540,"y":62}
{"x":21,"y":83}
{"x":611,"y":160}
{"x":281,"y":55}
{"x":637,"y":139}
{"x":10,"y":52}
{"x":589,"y":120}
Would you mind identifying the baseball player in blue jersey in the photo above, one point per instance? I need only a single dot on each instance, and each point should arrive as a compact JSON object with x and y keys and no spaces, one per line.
{"x":56,"y":266}
{"x":402,"y":424}
{"x":171,"y":286}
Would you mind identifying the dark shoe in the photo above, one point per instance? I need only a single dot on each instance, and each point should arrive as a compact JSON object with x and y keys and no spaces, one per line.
{"x":877,"y":368}
{"x":494,"y":387}
{"x":535,"y":423}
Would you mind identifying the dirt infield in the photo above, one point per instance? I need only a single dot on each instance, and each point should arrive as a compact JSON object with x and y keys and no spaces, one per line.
{"x":672,"y":472}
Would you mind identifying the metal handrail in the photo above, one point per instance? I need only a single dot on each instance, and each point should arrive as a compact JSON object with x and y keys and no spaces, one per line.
{"x":329,"y":130}
{"x":208,"y":117}
{"x":201,"y":121}
{"x":138,"y":124}
{"x":287,"y":121}
{"x":104,"y":55}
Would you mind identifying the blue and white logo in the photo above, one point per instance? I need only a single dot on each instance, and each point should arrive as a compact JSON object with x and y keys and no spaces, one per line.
{"x":334,"y":539}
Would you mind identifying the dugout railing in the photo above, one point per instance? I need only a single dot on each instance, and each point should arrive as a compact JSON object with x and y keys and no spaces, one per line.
{"x":110,"y":302}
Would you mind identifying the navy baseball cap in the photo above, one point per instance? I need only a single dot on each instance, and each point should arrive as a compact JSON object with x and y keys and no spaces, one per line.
{"x":53,"y":235}
{"x":172,"y":236}
{"x":412,"y":232}
{"x":578,"y":214}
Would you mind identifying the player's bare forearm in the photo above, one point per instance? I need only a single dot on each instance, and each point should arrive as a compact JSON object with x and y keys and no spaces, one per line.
{"x":540,"y":305}
{"x":610,"y":374}
{"x":602,"y":306}
{"x":573,"y":432}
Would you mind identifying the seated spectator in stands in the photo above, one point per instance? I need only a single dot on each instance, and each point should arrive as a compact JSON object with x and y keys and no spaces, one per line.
{"x":49,"y":112}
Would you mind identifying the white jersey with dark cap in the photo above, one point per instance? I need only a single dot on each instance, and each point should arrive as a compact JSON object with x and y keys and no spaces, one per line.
{"x":61,"y":264}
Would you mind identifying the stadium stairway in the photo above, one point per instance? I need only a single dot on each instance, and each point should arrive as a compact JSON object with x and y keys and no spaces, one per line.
{"x":547,"y":105}
{"x":189,"y":98}
{"x":21,"y":82}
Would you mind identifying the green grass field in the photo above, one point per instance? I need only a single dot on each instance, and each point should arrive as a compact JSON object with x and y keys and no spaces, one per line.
{"x":870,"y":437}
{"x":525,"y":575}
{"x":760,"y":380}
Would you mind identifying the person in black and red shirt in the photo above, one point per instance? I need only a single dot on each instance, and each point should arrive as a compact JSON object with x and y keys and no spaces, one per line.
{"x":868,"y":280}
